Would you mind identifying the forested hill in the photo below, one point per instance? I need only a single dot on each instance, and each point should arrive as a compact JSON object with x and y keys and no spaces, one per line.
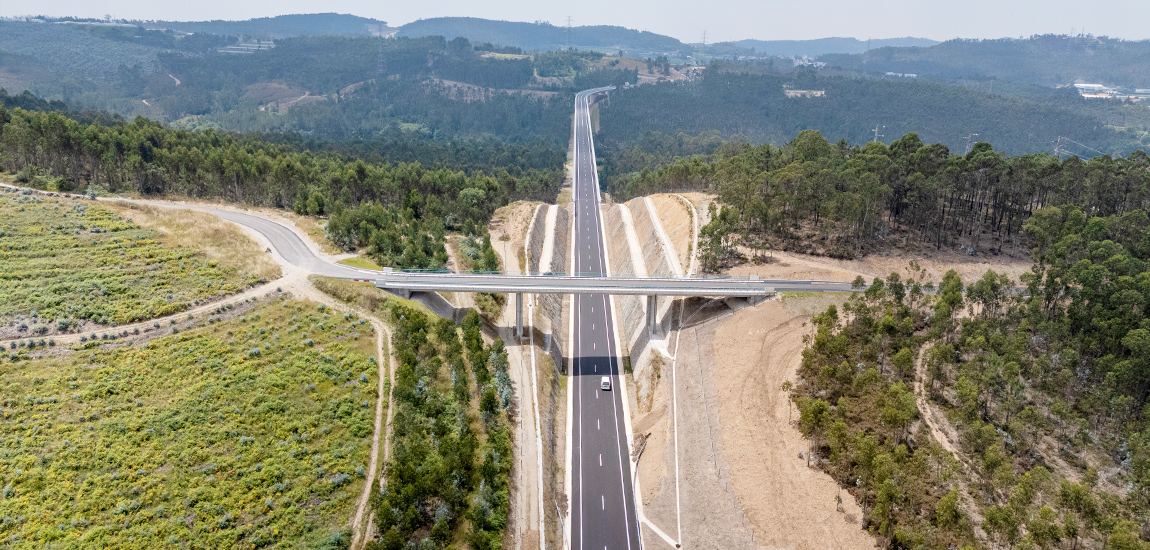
{"x":1047,"y":60}
{"x":822,"y":46}
{"x":281,"y":26}
{"x":735,"y":99}
{"x":840,"y":200}
{"x":543,"y":36}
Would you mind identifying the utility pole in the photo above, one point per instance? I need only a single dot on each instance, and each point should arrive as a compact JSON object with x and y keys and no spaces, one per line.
{"x":968,"y":142}
{"x":568,"y":32}
{"x":876,"y":134}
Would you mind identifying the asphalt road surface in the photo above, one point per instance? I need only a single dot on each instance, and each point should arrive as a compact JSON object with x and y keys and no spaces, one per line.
{"x":603,"y":511}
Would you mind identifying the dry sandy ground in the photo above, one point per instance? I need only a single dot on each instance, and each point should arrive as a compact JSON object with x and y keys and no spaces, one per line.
{"x":741,"y":481}
{"x":787,"y":504}
{"x":788,"y":265}
{"x":678,"y":224}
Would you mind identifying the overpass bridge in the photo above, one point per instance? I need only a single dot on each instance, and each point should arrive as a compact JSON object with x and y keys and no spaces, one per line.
{"x":403,"y":283}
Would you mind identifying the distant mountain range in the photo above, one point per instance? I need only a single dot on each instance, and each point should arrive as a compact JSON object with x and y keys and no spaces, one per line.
{"x":283,"y":26}
{"x":539,"y":36}
{"x":542,"y":36}
{"x":822,"y":46}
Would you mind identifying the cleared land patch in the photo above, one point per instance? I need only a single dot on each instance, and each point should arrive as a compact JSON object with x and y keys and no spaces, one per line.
{"x":248,"y":432}
{"x":67,"y":265}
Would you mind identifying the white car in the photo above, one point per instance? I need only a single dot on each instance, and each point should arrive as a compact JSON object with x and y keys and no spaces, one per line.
{"x":605,"y":383}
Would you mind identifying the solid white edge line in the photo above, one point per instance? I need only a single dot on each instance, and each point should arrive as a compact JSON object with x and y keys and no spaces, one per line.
{"x":571,"y":332}
{"x":675,"y":417}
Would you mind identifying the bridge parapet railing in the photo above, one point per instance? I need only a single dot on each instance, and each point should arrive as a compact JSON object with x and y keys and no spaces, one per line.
{"x":563,"y":274}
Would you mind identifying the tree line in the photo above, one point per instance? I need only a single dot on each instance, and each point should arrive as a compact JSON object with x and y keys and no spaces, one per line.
{"x":844,"y":201}
{"x":151,"y":159}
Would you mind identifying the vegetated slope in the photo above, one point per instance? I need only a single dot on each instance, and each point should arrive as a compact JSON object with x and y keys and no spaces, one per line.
{"x":1048,"y":60}
{"x":814,"y":197}
{"x":151,"y":160}
{"x":66,"y":265}
{"x":447,"y":478}
{"x":70,"y":51}
{"x":818,"y":46}
{"x":542,"y":36}
{"x":281,"y":26}
{"x":753,"y":104}
{"x":1044,"y":390}
{"x":243,"y":432}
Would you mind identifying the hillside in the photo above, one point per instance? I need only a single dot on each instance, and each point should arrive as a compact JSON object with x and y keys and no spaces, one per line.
{"x":56,"y":56}
{"x":283,"y":26}
{"x":732,"y":101}
{"x":1048,"y":60}
{"x":823,"y":46}
{"x":543,"y":36}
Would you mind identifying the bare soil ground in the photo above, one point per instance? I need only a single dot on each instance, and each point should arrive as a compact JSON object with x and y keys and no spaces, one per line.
{"x":511,"y":222}
{"x":678,"y":224}
{"x":787,"y":504}
{"x":787,"y":265}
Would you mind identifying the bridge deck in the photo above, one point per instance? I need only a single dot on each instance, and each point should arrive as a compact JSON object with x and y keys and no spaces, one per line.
{"x":549,"y":284}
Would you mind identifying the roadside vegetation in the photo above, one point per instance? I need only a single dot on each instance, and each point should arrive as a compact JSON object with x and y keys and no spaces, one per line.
{"x":447,"y":479}
{"x":245,"y":432}
{"x":68,"y":265}
{"x":1043,"y":391}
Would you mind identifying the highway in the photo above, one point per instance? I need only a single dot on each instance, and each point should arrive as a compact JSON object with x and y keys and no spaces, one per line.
{"x":602,"y":511}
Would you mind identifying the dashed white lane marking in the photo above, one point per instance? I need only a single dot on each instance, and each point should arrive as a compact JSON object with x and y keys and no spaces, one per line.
{"x":603,"y":505}
{"x":600,"y":459}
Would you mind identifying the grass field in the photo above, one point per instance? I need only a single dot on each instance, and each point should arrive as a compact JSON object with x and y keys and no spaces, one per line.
{"x":361,"y":262}
{"x":246,"y":432}
{"x":65,"y":265}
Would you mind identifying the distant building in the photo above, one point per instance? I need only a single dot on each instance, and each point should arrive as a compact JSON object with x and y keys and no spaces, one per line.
{"x":805,"y":61}
{"x":805,"y":93}
{"x":1092,"y":88}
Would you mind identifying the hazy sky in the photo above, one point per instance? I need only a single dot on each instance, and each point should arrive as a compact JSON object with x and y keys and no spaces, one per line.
{"x":683,"y":19}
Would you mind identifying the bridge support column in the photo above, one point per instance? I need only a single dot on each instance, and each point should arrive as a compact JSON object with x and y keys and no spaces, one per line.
{"x":519,"y":315}
{"x":652,"y":313}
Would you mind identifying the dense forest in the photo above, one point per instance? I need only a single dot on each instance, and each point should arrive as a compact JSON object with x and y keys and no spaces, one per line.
{"x":1045,"y":390}
{"x":816,"y":197}
{"x":1047,"y":60}
{"x":750,"y":101}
